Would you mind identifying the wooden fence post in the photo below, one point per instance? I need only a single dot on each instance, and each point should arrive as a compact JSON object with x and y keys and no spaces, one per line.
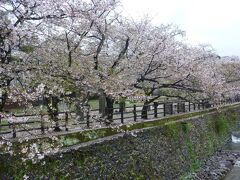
{"x":66,"y":121}
{"x":147,"y":111}
{"x":144,"y":111}
{"x":155,"y":109}
{"x":189,"y":106}
{"x":0,"y":118}
{"x":134,"y":112}
{"x":14,"y":130}
{"x":164,"y":109}
{"x":121,"y":111}
{"x":42,"y":124}
{"x":88,"y":117}
{"x":178,"y":107}
{"x":194,"y":106}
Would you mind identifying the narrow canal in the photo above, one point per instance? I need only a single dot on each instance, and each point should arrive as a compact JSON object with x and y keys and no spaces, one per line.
{"x":234,"y":147}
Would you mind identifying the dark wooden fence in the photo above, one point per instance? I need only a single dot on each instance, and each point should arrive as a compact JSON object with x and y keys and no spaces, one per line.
{"x":37,"y":123}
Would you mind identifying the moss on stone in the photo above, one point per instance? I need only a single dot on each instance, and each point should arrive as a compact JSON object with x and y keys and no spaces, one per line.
{"x":186,"y":127}
{"x":171,"y":129}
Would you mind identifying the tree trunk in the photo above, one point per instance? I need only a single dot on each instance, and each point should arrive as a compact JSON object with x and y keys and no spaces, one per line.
{"x":3,"y":102}
{"x":102,"y":104}
{"x":122,"y":105}
{"x":144,"y":110}
{"x":80,"y":107}
{"x":52,"y":106}
{"x":4,"y":95}
{"x":79,"y":112}
{"x":109,"y":109}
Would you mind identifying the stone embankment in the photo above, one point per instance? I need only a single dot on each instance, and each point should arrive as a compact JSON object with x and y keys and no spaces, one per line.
{"x":217,"y":166}
{"x":172,"y":149}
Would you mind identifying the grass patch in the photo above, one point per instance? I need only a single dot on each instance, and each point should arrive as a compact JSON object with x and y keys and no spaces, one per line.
{"x":232,"y":116}
{"x":4,"y":122}
{"x":221,"y":124}
{"x":171,"y":129}
{"x":195,"y":162}
{"x":186,"y":127}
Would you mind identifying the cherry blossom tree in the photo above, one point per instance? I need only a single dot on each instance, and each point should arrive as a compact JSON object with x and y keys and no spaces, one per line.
{"x":20,"y":21}
{"x":228,"y":69}
{"x":25,"y":30}
{"x":69,"y":50}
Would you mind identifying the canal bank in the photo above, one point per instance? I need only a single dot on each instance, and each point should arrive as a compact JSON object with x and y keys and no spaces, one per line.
{"x":223,"y":164}
{"x":171,"y":150}
{"x":233,"y":147}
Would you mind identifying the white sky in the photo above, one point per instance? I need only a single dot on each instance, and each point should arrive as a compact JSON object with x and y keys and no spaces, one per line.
{"x":215,"y":22}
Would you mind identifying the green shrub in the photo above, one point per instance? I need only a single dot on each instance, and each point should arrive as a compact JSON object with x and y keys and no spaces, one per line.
{"x":221,"y":124}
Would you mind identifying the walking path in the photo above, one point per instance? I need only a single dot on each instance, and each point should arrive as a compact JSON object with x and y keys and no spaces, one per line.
{"x":33,"y":129}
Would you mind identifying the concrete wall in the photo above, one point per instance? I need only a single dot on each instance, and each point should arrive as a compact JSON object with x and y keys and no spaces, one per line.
{"x":164,"y":152}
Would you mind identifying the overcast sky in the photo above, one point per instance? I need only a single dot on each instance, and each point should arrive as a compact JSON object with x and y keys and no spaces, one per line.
{"x":215,"y":22}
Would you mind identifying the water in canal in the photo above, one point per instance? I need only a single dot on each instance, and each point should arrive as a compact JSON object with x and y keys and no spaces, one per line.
{"x":234,"y":146}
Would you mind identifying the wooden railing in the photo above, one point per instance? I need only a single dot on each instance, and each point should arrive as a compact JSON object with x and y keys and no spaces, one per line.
{"x":36,"y":123}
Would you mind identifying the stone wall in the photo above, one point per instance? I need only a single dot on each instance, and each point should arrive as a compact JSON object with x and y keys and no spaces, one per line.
{"x":169,"y":151}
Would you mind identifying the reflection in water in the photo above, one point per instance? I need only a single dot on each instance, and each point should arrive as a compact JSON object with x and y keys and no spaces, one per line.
{"x":235,"y":139}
